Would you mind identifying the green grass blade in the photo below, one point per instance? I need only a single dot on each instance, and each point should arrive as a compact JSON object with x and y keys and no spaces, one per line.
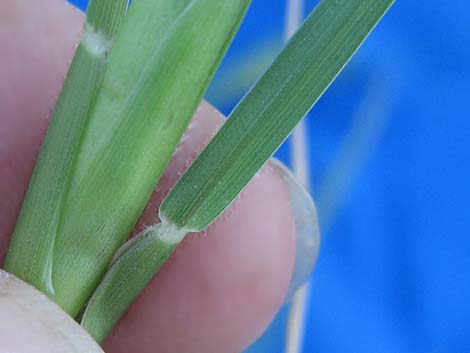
{"x":270,"y":111}
{"x":31,"y":249}
{"x":146,"y":101}
{"x":258,"y":125}
{"x":106,"y":15}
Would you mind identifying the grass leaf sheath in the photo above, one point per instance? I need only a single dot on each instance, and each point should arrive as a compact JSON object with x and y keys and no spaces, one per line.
{"x":31,"y":251}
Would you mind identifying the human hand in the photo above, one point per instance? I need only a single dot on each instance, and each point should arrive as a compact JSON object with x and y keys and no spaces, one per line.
{"x":220,"y":290}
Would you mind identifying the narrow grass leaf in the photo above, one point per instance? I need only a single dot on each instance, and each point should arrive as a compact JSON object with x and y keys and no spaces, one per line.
{"x":265,"y":117}
{"x":31,"y":250}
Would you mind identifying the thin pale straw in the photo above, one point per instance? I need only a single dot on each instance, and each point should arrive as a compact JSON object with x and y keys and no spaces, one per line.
{"x":297,"y":313}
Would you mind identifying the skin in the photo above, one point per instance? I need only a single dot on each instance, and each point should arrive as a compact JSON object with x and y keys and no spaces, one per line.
{"x":219,"y":290}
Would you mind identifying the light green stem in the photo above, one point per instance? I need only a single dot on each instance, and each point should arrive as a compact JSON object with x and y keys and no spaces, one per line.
{"x":130,"y":271}
{"x":31,"y":251}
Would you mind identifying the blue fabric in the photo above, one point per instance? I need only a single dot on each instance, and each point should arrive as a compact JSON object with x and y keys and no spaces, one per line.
{"x":393,"y":273}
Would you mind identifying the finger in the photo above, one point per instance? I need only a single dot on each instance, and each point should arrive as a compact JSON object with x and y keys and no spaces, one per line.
{"x":220,"y":290}
{"x":31,"y":322}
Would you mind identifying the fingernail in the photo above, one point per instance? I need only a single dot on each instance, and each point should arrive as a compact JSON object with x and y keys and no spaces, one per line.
{"x":306,"y":228}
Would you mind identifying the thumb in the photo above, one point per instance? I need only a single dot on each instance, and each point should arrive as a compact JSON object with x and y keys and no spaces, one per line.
{"x":30,"y":322}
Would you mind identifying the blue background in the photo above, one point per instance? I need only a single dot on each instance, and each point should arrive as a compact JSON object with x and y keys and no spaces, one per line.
{"x":390,"y":152}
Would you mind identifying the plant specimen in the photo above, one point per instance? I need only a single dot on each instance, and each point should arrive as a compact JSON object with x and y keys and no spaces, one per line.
{"x":137,"y":77}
